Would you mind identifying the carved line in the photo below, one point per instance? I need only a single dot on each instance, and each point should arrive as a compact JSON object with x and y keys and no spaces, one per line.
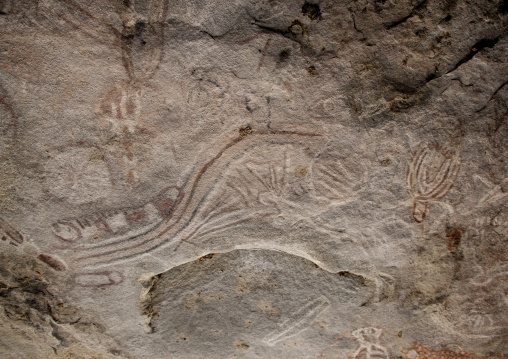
{"x":9,"y":232}
{"x":148,"y":241}
{"x":295,"y":324}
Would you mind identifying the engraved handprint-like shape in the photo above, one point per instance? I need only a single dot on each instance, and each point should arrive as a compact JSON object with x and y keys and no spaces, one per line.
{"x":430,"y":175}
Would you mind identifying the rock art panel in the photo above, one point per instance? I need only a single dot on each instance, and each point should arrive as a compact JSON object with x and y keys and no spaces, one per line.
{"x":272,"y":311}
{"x":253,"y":179}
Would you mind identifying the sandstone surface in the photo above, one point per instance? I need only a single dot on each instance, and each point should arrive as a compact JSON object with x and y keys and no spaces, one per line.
{"x":254,"y":179}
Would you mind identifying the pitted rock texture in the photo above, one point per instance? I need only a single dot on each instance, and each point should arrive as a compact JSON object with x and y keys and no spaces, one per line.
{"x":254,"y":179}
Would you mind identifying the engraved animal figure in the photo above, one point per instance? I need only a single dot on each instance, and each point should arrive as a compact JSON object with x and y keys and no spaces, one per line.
{"x":298,"y":321}
{"x":261,"y":178}
{"x":431,"y":173}
{"x":368,"y":344}
{"x":211,"y":205}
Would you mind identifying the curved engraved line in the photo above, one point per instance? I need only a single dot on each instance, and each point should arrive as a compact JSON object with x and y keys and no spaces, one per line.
{"x":188,"y":222}
{"x":69,"y":224}
{"x":413,"y":168}
{"x":429,"y":181}
{"x":96,"y":257}
{"x":444,"y":186}
{"x":292,"y":326}
{"x":416,"y":182}
{"x":440,"y":176}
{"x":447,"y":183}
{"x":426,"y":188}
{"x":157,"y":27}
{"x":125,"y":238}
{"x":9,"y":230}
{"x":417,"y":177}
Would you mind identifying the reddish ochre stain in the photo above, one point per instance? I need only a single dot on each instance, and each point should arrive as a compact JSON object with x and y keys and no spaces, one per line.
{"x":453,"y":235}
{"x":52,"y":262}
{"x":7,"y":232}
{"x":136,"y":217}
{"x":426,"y":353}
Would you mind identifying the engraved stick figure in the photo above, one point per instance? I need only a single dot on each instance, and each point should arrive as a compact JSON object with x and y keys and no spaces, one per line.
{"x":369,"y":347}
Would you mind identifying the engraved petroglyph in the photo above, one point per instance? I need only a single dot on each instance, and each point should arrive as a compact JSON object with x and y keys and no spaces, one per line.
{"x":105,"y":225}
{"x":10,"y":234}
{"x":338,"y":174}
{"x":368,"y":344}
{"x":143,"y":45}
{"x":367,"y":341}
{"x":52,"y":261}
{"x":123,"y":119}
{"x":235,"y":200}
{"x":259,"y":177}
{"x":431,"y":173}
{"x":298,"y":321}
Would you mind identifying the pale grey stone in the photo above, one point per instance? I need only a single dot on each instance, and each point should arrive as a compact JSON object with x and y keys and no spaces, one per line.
{"x":253,"y":179}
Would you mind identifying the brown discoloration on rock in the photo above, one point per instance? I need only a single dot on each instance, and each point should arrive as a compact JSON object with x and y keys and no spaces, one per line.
{"x":241,"y":346}
{"x":245,"y":131}
{"x":180,"y":338}
{"x":454,"y":238}
{"x":207,"y":256}
{"x":52,"y":262}
{"x":301,"y":171}
{"x":194,"y":300}
{"x":271,"y":311}
{"x":311,"y":10}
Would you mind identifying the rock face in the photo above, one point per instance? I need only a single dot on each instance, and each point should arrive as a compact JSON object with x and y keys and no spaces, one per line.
{"x":254,"y":179}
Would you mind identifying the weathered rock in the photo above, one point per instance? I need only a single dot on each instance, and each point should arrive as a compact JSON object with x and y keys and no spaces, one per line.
{"x":254,"y":179}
